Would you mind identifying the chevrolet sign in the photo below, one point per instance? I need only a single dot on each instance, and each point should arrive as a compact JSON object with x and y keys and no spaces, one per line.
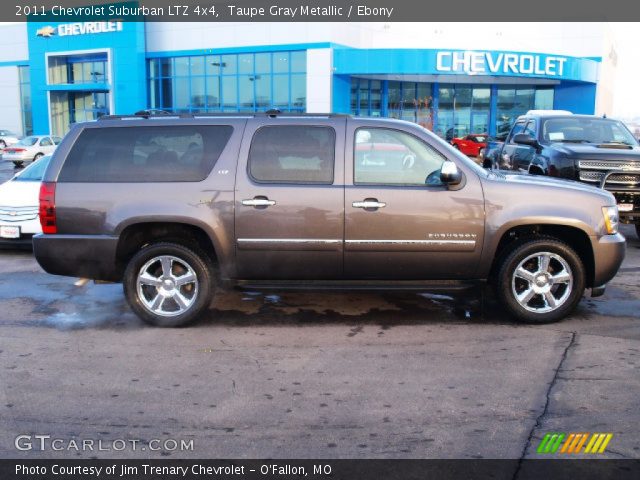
{"x":483,"y":63}
{"x":80,"y":28}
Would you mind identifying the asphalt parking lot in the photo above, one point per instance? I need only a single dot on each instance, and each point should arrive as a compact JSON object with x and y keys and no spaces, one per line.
{"x":314,"y":375}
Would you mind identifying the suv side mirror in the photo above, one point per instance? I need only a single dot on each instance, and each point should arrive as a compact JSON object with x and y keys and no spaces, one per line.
{"x":525,"y":139}
{"x":450,"y":174}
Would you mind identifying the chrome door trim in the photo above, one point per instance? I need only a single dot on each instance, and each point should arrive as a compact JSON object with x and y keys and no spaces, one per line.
{"x":415,"y":242}
{"x":292,"y":244}
{"x":410,"y":245}
{"x":290,"y":240}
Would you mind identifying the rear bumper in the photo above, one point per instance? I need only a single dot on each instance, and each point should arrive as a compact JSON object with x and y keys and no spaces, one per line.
{"x":608,"y":253}
{"x":86,"y":256}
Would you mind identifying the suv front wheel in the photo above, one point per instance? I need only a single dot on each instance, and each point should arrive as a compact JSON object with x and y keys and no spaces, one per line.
{"x":540,"y":280}
{"x":168,"y":285}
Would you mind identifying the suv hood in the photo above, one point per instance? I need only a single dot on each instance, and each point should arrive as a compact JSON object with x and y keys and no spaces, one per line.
{"x":544,"y":182}
{"x":593,"y":151}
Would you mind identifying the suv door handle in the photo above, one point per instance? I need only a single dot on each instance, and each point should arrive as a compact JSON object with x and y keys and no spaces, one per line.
{"x":258,"y":202}
{"x":369,"y":203}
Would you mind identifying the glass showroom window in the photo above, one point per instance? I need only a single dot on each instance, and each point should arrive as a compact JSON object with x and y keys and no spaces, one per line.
{"x":246,"y":82}
{"x":77,"y":69}
{"x":516,"y":101}
{"x":25,"y":100}
{"x":462,"y":109}
{"x":406,"y":100}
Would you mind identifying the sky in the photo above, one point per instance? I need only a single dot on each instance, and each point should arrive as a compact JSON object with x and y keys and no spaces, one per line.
{"x":626,"y":99}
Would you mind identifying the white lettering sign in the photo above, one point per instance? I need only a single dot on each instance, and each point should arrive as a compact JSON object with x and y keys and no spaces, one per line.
{"x":85,"y":28}
{"x":487,"y":63}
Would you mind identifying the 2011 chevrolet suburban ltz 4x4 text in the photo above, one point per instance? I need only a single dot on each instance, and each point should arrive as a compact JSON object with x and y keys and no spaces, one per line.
{"x":174,"y":205}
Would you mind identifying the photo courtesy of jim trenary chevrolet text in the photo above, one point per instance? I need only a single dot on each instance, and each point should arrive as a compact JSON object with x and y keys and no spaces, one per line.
{"x":349,"y":240}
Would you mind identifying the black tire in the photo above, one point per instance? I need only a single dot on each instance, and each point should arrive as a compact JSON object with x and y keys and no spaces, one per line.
{"x":3,"y":144}
{"x":18,"y":163}
{"x":38,"y":156}
{"x":455,"y":145}
{"x":199,"y":293}
{"x":535,"y":310}
{"x":638,"y":230}
{"x":481,"y":154}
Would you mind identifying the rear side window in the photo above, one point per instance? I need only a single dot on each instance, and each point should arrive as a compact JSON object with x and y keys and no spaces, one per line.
{"x":145,"y":154}
{"x":292,"y":154}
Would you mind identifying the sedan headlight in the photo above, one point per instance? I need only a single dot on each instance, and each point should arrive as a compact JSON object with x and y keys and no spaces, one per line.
{"x":611,"y":219}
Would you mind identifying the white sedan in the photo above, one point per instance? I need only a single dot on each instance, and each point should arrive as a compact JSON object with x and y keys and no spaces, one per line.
{"x":30,"y":149}
{"x":19,"y":219}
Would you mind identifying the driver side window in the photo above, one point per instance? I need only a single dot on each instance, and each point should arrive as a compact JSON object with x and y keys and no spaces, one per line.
{"x":384,"y":156}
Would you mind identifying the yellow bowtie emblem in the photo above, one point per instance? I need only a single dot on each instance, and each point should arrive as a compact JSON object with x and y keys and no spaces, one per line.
{"x":45,"y":32}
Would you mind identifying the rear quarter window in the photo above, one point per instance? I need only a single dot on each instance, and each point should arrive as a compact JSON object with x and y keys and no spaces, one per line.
{"x":292,"y":154}
{"x":184,"y":153}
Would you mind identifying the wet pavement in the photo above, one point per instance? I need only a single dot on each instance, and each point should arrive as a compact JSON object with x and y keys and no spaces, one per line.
{"x":314,"y":375}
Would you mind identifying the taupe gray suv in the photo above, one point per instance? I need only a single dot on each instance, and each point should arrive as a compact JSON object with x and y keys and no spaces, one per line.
{"x":174,"y":206}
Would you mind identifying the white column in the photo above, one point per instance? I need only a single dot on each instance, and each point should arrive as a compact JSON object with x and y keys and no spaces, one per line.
{"x":319,"y":76}
{"x":10,"y":108}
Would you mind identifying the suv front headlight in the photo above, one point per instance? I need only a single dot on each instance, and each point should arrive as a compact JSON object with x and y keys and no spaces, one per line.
{"x":611,"y":219}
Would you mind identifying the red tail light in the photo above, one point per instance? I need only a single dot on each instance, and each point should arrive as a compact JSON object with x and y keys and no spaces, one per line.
{"x":14,"y":150}
{"x":48,"y":207}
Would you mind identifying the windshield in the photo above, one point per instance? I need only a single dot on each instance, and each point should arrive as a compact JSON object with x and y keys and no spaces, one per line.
{"x":34,"y":172}
{"x":586,"y":130}
{"x":27,"y":142}
{"x":480,"y":138}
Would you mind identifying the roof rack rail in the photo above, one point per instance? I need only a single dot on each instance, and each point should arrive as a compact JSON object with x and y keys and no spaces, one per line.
{"x":160,"y":114}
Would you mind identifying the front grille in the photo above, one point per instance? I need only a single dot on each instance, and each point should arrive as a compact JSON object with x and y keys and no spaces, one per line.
{"x":18,"y":214}
{"x":614,"y":179}
{"x":614,"y":165}
{"x":628,"y":172}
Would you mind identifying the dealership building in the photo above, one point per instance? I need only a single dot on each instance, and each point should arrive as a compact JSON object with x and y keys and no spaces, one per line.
{"x":452,"y":78}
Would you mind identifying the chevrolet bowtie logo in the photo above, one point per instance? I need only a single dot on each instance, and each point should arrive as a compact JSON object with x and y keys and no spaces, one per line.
{"x":46,"y":32}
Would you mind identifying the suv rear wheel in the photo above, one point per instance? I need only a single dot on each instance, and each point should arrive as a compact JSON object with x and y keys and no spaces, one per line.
{"x":638,"y":230}
{"x":168,"y":285}
{"x":540,"y":280}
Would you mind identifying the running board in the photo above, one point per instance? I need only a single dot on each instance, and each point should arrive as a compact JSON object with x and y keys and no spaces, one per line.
{"x":350,"y":285}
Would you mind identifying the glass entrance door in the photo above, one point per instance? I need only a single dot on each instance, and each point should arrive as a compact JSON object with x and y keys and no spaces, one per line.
{"x":69,"y":107}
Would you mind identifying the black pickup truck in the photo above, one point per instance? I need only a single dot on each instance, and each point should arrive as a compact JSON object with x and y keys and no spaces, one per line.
{"x":594,"y":150}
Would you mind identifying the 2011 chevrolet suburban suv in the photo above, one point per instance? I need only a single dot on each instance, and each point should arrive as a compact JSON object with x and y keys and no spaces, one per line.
{"x":174,"y":206}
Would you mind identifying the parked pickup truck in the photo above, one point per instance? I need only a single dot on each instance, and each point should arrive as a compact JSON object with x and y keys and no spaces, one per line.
{"x":594,"y":150}
{"x":173,"y":206}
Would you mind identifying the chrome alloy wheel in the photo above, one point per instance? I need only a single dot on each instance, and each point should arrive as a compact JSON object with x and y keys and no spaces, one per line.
{"x":167,"y":286}
{"x":542,"y":282}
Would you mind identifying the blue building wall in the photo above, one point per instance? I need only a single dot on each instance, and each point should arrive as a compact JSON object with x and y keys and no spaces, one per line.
{"x":575,"y":97}
{"x":129,"y":80}
{"x":575,"y":91}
